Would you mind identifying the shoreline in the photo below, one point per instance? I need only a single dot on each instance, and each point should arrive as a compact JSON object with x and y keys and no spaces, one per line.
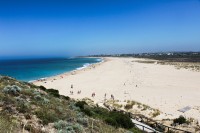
{"x":161,"y":87}
{"x":68,"y":72}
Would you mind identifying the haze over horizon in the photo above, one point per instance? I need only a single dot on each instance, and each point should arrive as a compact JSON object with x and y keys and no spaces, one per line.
{"x":71,"y":28}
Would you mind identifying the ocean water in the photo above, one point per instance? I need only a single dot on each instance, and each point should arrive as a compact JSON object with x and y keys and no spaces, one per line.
{"x":33,"y":69}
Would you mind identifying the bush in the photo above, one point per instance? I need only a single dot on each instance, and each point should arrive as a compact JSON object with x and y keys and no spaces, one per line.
{"x":14,"y":90}
{"x":83,"y":121}
{"x":65,"y":97}
{"x":53,"y":92}
{"x":65,"y":127}
{"x":180,"y":120}
{"x":156,"y":113}
{"x":100,"y":111}
{"x":128,"y":106}
{"x":42,"y":88}
{"x":111,"y":122}
{"x":78,"y":128}
{"x":84,"y":107}
{"x":60,"y":124}
{"x":80,"y":104}
{"x":46,"y":115}
{"x":87,"y":111}
{"x":114,"y":118}
{"x":37,"y":97}
{"x":23,"y":107}
{"x":122,"y":120}
{"x":45,"y":100}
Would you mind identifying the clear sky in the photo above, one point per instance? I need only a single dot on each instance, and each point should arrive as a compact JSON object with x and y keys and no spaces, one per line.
{"x":82,"y":27}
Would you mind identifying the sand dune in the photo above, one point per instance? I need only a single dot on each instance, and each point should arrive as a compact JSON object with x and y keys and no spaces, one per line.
{"x":159,"y":86}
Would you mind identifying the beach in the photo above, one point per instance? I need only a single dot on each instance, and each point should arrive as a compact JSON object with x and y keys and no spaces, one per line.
{"x":162,"y":87}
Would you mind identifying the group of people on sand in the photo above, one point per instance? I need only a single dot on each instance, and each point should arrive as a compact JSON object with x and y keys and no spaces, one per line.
{"x":93,"y":94}
{"x":112,"y":96}
{"x":71,"y":92}
{"x":79,"y":92}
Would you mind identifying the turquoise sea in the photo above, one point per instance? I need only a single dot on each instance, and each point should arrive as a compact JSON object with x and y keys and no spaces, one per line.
{"x":33,"y":69}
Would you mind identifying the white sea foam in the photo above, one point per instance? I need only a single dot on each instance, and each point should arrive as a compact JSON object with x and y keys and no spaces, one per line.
{"x":84,"y":66}
{"x":100,"y":60}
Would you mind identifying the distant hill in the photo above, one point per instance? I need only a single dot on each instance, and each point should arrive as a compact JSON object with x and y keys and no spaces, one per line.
{"x":167,"y":56}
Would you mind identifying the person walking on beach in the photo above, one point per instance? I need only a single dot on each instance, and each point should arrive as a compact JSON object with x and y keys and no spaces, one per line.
{"x":112,"y":97}
{"x":93,"y":94}
{"x":71,"y":86}
{"x":79,"y":92}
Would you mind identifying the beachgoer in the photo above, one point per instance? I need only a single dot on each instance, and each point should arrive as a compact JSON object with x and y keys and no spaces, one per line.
{"x":93,"y":94}
{"x":112,"y":97}
{"x":72,"y":86}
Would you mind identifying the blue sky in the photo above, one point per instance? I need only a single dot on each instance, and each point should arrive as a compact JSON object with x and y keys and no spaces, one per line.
{"x":35,"y":28}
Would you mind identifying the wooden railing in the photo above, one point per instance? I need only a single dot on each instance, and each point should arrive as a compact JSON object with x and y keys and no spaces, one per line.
{"x":169,"y":128}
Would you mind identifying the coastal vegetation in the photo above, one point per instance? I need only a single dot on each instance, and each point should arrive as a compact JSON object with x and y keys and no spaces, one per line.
{"x":35,"y":109}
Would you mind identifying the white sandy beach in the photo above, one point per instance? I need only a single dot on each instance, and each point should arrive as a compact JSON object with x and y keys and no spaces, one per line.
{"x":160,"y":86}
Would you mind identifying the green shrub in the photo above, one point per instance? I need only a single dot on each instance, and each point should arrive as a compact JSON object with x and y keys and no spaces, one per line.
{"x":84,"y":107}
{"x":37,"y":97}
{"x":83,"y":121}
{"x":65,"y":97}
{"x":180,"y":120}
{"x":42,"y":88}
{"x":122,"y":120}
{"x":73,"y":106}
{"x":65,"y":127}
{"x":156,"y":113}
{"x":36,"y":93}
{"x":46,"y":115}
{"x":28,"y":92}
{"x":45,"y":100}
{"x":53,"y":92}
{"x":23,"y":107}
{"x":87,"y":111}
{"x":60,"y":124}
{"x":111,"y":122}
{"x":114,"y":118}
{"x":100,"y":111}
{"x":78,"y":128}
{"x":128,"y":106}
{"x":81,"y":104}
{"x":14,"y":90}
